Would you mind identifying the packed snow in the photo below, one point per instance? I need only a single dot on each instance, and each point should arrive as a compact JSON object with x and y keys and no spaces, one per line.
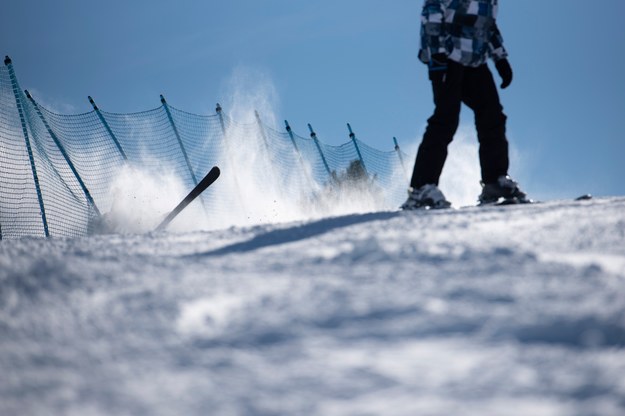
{"x":516,"y":310}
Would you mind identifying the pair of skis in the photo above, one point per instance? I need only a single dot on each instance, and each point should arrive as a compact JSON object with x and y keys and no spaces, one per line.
{"x":208,"y":180}
{"x":500,"y":203}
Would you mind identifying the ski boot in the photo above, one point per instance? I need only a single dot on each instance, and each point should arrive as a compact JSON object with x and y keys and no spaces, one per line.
{"x":426,"y":197}
{"x":503,"y":192}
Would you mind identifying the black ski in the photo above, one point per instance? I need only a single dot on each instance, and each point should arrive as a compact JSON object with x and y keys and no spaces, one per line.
{"x":210,"y":177}
{"x":585,"y":197}
{"x":515,"y":201}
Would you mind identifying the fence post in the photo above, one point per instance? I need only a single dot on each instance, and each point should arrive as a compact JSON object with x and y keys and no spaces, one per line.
{"x":108,"y":129}
{"x":175,"y":129}
{"x":262,"y":132}
{"x":299,"y":155}
{"x":353,"y":137}
{"x":20,"y":109}
{"x":269,"y":155}
{"x":313,"y":136}
{"x":401,"y":158}
{"x":288,"y":130}
{"x":63,"y":153}
{"x":237,"y":187}
{"x":221,"y":119}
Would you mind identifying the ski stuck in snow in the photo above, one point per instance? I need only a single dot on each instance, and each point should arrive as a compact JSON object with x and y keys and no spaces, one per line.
{"x":208,"y":180}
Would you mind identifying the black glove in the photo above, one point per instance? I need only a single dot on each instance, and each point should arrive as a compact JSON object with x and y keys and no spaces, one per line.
{"x":505,"y":72}
{"x":437,"y":67}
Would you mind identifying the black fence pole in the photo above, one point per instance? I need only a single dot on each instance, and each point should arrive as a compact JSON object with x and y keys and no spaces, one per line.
{"x":177,"y":134}
{"x":313,"y":136}
{"x":17,"y":92}
{"x":61,"y":148}
{"x":401,"y":158}
{"x":352,"y":136}
{"x":108,"y":128}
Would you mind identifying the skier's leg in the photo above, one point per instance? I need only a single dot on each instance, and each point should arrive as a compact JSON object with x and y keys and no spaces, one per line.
{"x":440,"y":129}
{"x":480,"y":94}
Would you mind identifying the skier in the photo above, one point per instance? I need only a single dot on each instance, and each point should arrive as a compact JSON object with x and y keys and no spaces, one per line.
{"x":457,"y":38}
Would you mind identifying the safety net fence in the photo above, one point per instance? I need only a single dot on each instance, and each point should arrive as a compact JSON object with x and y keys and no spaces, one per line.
{"x":74,"y":175}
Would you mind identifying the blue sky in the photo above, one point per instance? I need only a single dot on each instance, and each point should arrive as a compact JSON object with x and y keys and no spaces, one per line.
{"x":329,"y":62}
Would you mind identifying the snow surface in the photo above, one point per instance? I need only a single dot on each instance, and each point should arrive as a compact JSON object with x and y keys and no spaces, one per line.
{"x":493,"y":311}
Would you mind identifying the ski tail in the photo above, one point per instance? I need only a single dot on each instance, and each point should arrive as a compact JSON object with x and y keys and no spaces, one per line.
{"x":210,"y":177}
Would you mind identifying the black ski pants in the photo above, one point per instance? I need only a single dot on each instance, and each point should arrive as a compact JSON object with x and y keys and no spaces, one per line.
{"x":476,"y":88}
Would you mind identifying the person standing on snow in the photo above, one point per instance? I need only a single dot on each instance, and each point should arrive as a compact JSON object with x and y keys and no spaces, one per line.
{"x":457,"y":38}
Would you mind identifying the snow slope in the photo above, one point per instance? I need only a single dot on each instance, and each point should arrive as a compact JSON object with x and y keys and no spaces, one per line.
{"x":494,"y":311}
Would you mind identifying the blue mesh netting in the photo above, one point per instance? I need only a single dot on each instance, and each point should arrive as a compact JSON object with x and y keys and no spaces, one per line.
{"x":57,"y":170}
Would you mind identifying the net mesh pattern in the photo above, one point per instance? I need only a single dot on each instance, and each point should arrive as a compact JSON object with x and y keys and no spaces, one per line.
{"x":56,"y":170}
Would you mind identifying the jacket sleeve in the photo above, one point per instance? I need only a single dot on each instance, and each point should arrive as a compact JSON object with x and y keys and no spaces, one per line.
{"x":495,"y":45}
{"x":432,"y":29}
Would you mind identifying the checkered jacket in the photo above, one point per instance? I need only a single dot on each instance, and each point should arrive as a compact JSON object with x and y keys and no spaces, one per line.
{"x":465,"y":30}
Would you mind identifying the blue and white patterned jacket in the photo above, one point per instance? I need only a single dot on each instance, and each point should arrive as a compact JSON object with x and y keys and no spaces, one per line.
{"x":465,"y":30}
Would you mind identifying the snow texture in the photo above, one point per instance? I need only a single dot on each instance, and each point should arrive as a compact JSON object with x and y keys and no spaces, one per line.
{"x":480,"y":311}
